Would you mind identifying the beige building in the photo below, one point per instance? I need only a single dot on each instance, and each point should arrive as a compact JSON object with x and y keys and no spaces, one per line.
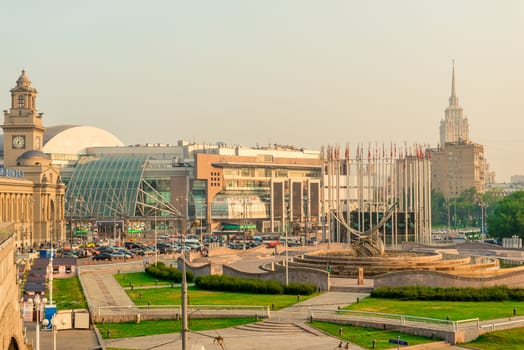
{"x":458,"y":167}
{"x":11,"y":331}
{"x":31,"y":190}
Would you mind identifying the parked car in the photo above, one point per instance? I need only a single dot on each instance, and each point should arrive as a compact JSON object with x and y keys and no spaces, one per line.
{"x":164,"y":248}
{"x":102,"y":256}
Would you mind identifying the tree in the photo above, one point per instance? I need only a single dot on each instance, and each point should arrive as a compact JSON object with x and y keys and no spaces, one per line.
{"x":439,"y":210}
{"x":507,"y":219}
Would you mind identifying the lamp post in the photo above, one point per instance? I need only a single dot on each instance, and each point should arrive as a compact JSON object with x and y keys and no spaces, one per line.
{"x":37,"y":303}
{"x":51,"y":276}
{"x":156,"y":244}
{"x":184,"y":287}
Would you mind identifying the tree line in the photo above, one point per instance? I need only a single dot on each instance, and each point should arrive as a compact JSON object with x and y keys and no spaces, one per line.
{"x":503,"y":215}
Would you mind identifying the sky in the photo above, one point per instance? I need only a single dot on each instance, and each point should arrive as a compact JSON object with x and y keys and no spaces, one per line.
{"x":258,"y":72}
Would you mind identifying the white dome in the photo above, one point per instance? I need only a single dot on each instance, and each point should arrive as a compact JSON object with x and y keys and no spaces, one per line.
{"x":73,"y":139}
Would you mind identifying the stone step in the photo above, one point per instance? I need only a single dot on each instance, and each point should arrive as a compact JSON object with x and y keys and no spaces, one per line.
{"x":269,"y":326}
{"x":351,"y":289}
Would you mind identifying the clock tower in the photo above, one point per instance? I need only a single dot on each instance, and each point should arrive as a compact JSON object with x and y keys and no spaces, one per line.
{"x":23,"y":128}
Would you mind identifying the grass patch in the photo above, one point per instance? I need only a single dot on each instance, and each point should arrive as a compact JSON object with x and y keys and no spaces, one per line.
{"x":138,"y":279}
{"x":456,"y":310}
{"x":68,"y":294}
{"x":132,"y":329}
{"x":511,"y":339}
{"x":365,"y":336}
{"x":171,"y":296}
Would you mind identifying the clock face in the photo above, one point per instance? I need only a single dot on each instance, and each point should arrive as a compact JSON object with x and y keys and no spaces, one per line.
{"x":18,"y":142}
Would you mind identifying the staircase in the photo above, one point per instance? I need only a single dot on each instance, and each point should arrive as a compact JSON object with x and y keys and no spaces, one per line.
{"x":278,"y":327}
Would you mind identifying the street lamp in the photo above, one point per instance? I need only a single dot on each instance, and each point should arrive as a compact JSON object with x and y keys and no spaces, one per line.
{"x":36,"y":304}
{"x":54,"y":323}
{"x":184,"y":286}
{"x":156,"y":243}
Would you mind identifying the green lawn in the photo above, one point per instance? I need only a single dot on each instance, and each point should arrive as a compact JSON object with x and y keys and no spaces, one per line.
{"x":138,"y":279}
{"x":132,"y":329}
{"x":456,"y":310}
{"x":171,"y":296}
{"x":68,"y":294}
{"x":512,"y":339}
{"x":364,"y":336}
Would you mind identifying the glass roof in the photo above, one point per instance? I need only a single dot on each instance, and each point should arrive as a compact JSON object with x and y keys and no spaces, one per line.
{"x":106,"y":187}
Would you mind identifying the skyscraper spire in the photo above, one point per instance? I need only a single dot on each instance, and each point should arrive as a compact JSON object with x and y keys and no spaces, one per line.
{"x":453,"y":100}
{"x":454,"y":128}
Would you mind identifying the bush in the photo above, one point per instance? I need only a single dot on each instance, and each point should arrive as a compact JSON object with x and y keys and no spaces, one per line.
{"x":300,"y":288}
{"x":499,"y":293}
{"x":251,"y":285}
{"x":163,"y":272}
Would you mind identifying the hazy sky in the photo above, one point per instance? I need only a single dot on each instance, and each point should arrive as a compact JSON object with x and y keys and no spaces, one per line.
{"x":306,"y":73}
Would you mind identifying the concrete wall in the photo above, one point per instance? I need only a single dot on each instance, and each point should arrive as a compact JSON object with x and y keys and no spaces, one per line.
{"x":295,"y":274}
{"x":11,"y":327}
{"x":512,"y":279}
{"x":453,"y":337}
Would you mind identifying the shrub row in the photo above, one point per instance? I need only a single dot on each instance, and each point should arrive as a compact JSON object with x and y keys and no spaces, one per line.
{"x":499,"y":293}
{"x":163,"y":272}
{"x":252,"y":285}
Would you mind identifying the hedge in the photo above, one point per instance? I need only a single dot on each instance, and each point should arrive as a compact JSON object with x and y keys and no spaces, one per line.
{"x":163,"y":272}
{"x":499,"y":293}
{"x":251,"y":285}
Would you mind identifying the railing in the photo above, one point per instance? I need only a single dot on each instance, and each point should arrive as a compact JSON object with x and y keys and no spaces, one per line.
{"x":395,"y":319}
{"x":494,"y":326}
{"x":261,"y":311}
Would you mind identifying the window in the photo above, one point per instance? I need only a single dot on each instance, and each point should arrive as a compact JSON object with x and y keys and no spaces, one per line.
{"x":21,"y":101}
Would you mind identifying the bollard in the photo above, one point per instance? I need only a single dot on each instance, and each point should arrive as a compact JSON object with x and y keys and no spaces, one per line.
{"x":374,"y":344}
{"x":514,"y":311}
{"x":358,"y":300}
{"x":447,"y":318}
{"x":398,"y":342}
{"x":272,"y":306}
{"x":340,"y":332}
{"x":311,"y":318}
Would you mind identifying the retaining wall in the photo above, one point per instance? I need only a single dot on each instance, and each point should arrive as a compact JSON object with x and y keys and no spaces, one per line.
{"x":295,"y":274}
{"x":512,"y":279}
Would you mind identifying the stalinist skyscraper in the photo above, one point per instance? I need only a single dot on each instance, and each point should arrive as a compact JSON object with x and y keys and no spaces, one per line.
{"x":454,"y":128}
{"x":458,"y":164}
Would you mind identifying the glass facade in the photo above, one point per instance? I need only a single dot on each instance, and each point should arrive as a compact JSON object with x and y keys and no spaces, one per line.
{"x":107,"y":187}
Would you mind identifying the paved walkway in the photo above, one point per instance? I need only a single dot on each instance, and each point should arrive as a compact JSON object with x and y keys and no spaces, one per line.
{"x":285,"y":330}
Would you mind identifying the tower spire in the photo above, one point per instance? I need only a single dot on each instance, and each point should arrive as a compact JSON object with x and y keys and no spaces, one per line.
{"x":453,"y":77}
{"x":453,"y":100}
